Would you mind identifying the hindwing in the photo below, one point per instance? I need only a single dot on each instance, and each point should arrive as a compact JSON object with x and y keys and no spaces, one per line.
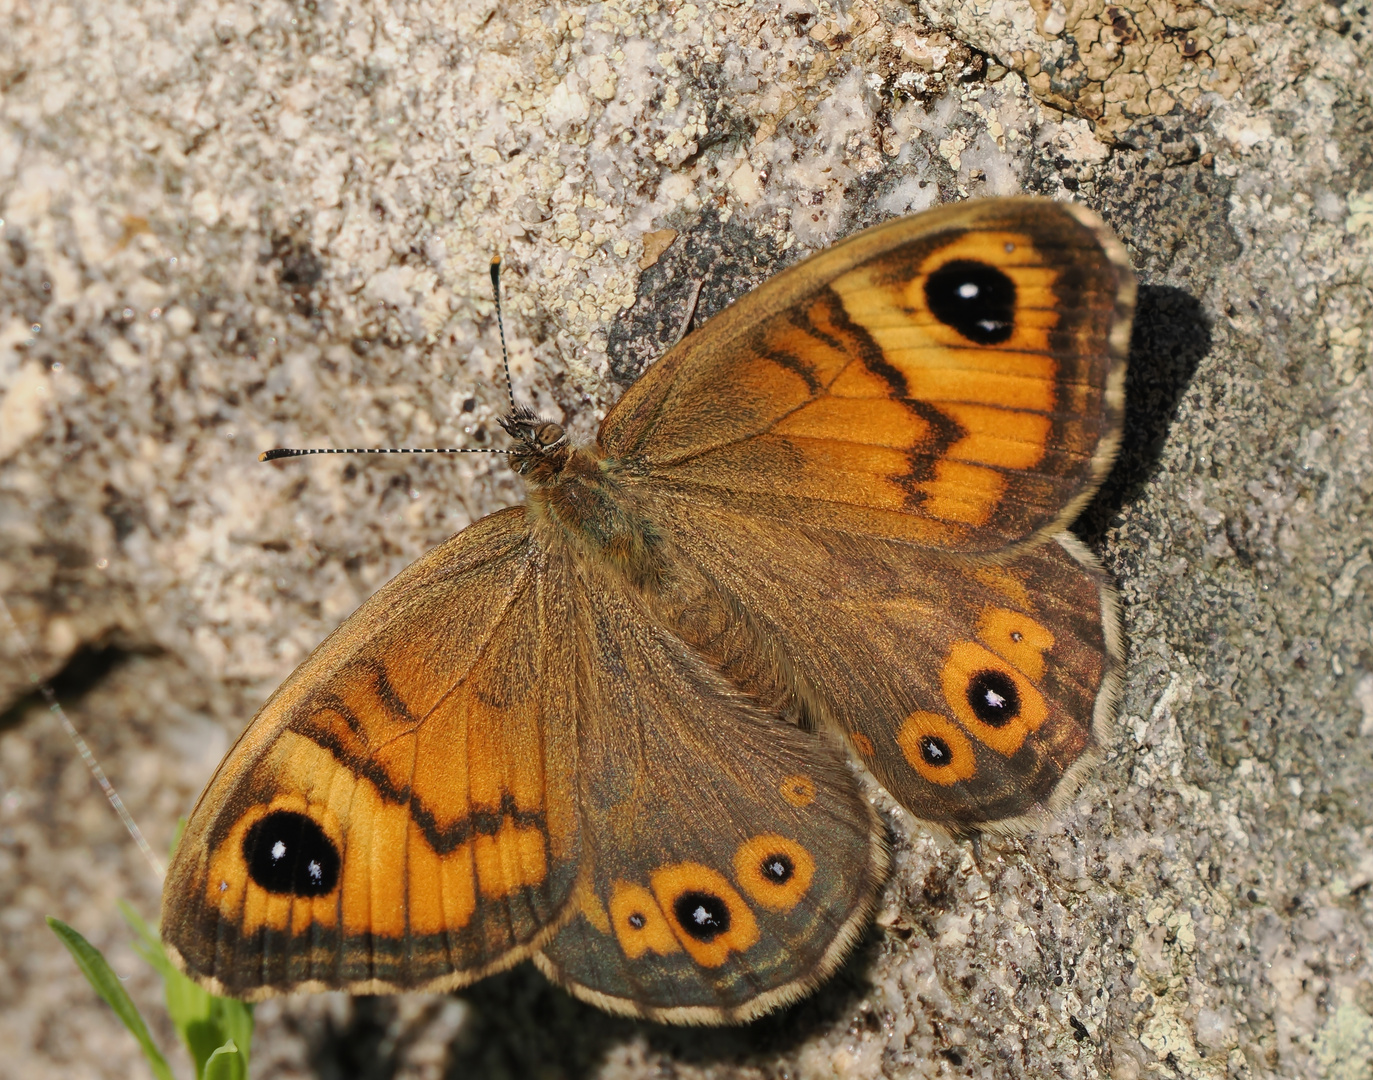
{"x":729,"y":859}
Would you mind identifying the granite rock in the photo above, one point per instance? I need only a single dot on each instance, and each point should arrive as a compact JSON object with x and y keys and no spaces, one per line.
{"x":230,"y":226}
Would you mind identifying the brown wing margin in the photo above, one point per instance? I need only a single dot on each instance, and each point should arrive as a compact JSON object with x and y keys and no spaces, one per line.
{"x":839,"y":393}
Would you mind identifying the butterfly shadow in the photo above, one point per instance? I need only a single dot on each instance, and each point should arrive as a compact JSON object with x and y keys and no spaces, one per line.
{"x":781,"y":1033}
{"x":1171,"y":335}
{"x":519,"y":1024}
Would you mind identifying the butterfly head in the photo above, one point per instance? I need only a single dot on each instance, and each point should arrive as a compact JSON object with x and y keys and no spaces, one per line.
{"x":541,"y":446}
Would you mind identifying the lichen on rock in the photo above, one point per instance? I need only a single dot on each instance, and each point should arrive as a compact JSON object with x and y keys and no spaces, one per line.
{"x":1111,"y":63}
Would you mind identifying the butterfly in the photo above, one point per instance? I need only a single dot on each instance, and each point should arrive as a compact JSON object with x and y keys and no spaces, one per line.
{"x":611,"y":729}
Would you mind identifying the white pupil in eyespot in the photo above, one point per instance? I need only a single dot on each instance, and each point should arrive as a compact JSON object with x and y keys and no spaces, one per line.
{"x":315,"y":871}
{"x":967,"y":290}
{"x":278,"y":851}
{"x":995,"y":700}
{"x":701,"y":915}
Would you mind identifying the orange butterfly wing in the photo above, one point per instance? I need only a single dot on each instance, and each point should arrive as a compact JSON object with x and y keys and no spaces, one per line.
{"x":824,"y":504}
{"x":953,"y":378}
{"x":400,"y":814}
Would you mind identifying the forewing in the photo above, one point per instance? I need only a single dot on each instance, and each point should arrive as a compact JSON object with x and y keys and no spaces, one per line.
{"x":398,"y":815}
{"x":729,"y":858}
{"x":953,"y":378}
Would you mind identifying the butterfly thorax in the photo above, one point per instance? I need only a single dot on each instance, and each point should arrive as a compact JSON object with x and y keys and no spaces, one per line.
{"x":576,"y":500}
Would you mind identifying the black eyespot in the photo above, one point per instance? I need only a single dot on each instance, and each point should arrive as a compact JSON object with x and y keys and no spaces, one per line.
{"x":702,"y":915}
{"x":289,"y":854}
{"x":935,"y":751}
{"x":778,"y":868}
{"x":994,"y":698}
{"x":975,"y":299}
{"x":637,"y":921}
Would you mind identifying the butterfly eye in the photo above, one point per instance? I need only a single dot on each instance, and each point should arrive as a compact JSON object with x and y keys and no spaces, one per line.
{"x":974,"y":298}
{"x":548,"y":434}
{"x":289,"y":854}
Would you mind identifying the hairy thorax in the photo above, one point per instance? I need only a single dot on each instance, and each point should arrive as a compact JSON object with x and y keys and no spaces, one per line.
{"x":584,"y":502}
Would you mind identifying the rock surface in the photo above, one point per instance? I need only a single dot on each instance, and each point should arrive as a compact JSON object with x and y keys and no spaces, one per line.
{"x":230,"y":226}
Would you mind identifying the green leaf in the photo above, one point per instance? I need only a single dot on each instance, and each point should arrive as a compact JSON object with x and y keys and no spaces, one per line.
{"x":226,"y":1063}
{"x":206,"y":1023}
{"x":146,"y":941}
{"x":208,"y":1037}
{"x":106,"y":983}
{"x":237,"y":1018}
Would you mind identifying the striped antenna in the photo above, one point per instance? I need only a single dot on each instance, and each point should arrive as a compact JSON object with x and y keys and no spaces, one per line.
{"x":500,"y":325}
{"x":283,"y":452}
{"x":286,"y":452}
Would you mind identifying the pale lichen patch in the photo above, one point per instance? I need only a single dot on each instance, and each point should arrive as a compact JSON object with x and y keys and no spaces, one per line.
{"x":1114,"y":64}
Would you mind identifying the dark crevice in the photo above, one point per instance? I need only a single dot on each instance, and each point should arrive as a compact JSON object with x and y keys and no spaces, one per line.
{"x":725,"y":257}
{"x":89,"y":666}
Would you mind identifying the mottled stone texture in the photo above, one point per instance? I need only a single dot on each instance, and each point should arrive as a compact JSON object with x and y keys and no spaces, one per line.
{"x":230,"y":225}
{"x":1113,"y":64}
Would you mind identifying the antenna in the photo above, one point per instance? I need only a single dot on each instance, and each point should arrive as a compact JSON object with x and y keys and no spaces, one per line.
{"x":500,"y":325}
{"x":284,"y":452}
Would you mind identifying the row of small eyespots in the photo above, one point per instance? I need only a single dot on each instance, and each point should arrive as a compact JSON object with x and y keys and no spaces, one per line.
{"x":689,"y":905}
{"x":287,"y":853}
{"x":993,"y":700}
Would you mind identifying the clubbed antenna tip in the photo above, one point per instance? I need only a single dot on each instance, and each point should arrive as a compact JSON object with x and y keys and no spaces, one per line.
{"x":500,"y":325}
